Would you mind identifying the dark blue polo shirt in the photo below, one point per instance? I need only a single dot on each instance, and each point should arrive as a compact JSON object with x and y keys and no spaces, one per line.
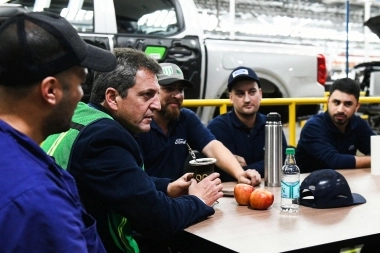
{"x":164,"y":156}
{"x":322,"y":145}
{"x":242,"y":141}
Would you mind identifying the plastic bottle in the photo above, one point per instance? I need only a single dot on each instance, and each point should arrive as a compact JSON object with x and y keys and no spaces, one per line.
{"x":273,"y":150}
{"x":290,"y":183}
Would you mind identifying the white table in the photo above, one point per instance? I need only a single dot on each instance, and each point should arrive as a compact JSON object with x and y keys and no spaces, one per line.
{"x":242,"y":229}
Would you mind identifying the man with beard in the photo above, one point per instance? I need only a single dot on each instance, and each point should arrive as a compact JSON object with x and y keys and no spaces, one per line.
{"x":332,"y":139}
{"x":165,"y":147}
{"x":43,"y":63}
{"x":242,"y":130}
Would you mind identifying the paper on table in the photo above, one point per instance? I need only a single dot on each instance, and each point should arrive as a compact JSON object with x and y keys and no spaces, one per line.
{"x":375,"y":157}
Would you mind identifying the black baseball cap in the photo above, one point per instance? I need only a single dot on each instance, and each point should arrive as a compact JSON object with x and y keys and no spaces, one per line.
{"x":35,"y":45}
{"x":242,"y":73}
{"x":327,"y":188}
{"x":170,"y":74}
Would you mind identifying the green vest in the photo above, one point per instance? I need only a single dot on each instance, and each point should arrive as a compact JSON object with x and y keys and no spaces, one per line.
{"x":59,"y":146}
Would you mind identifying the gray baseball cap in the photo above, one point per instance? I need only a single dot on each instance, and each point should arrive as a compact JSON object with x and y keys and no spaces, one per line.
{"x":172,"y":73}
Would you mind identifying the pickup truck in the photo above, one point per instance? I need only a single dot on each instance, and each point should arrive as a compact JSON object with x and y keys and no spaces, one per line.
{"x":170,"y":31}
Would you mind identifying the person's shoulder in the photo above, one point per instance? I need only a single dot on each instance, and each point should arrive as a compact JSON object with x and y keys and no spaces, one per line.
{"x":21,"y":158}
{"x":316,"y":119}
{"x":261,"y":118}
{"x":221,"y":119}
{"x":188,"y":115}
{"x":105,"y":125}
{"x":105,"y":129}
{"x":106,"y":122}
{"x":187,"y":112}
{"x":42,"y":200}
{"x":319,"y":116}
{"x":32,"y":182}
{"x":359,"y":119}
{"x":359,"y":123}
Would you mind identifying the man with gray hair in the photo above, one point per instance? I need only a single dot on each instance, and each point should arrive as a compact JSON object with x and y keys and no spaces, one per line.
{"x":102,"y":155}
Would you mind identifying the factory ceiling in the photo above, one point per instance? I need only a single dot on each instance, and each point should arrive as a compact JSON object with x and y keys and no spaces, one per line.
{"x":297,"y":20}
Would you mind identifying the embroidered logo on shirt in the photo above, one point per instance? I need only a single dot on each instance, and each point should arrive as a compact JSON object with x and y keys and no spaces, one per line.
{"x":352,"y":147}
{"x":180,"y":141}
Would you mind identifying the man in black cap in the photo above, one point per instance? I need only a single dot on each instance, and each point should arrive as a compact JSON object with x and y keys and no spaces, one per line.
{"x":165,"y":146}
{"x":242,"y":130}
{"x":43,"y":63}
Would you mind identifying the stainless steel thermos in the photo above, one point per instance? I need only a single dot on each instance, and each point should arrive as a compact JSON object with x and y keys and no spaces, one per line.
{"x":273,"y":150}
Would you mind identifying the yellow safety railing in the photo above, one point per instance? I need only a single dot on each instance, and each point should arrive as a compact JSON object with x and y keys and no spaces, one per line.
{"x":290,"y":102}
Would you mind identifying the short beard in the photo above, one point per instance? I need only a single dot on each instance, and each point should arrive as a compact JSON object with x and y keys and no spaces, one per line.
{"x":339,"y":122}
{"x":168,"y":114}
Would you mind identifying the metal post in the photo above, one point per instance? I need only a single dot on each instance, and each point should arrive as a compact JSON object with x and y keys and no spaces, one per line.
{"x":367,"y":15}
{"x":292,"y":124}
{"x":232,"y":19}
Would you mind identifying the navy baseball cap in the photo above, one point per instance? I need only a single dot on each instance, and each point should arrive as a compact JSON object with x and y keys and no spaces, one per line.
{"x":327,"y":188}
{"x":242,"y":73}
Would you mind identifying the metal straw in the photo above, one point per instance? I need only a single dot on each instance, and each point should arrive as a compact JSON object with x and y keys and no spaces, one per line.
{"x":191,"y":152}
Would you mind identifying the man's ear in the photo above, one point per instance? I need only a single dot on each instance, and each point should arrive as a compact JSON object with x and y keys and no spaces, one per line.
{"x":357,"y":107}
{"x":110,"y":100}
{"x":51,"y":90}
